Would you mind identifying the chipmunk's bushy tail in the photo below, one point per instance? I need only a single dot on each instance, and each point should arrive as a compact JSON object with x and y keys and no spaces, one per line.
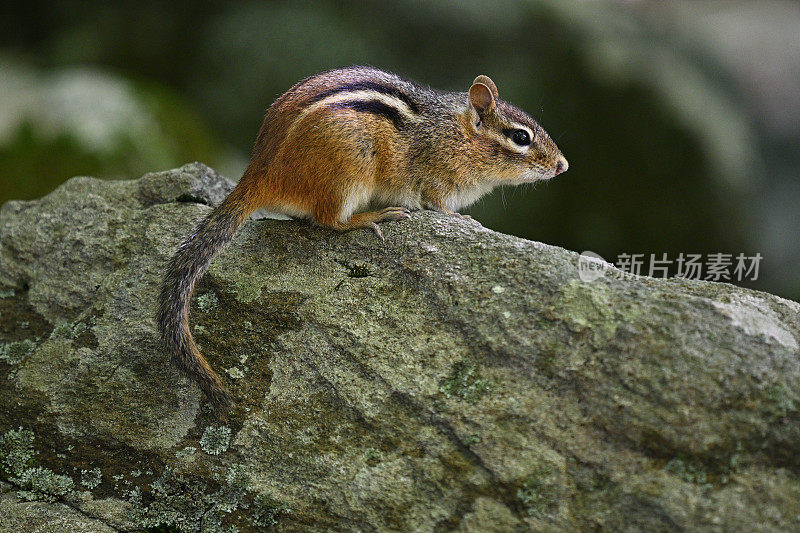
{"x":184,"y":269}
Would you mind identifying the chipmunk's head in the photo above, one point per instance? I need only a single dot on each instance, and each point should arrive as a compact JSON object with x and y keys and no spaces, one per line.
{"x":514,"y":148}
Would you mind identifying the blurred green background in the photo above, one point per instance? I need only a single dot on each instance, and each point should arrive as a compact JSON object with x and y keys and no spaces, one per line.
{"x":680,"y":119}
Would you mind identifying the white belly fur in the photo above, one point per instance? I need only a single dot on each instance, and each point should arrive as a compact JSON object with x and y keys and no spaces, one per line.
{"x":465,"y":197}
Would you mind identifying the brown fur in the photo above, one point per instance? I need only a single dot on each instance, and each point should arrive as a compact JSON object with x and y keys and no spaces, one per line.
{"x":385,"y":141}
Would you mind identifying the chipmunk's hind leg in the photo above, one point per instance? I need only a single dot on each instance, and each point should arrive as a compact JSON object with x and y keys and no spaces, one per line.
{"x":343,"y":170}
{"x":338,"y":202}
{"x":339,"y":211}
{"x":370,"y":219}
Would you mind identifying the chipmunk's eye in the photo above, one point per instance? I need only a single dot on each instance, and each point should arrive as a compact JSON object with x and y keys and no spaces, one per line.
{"x":521,"y":137}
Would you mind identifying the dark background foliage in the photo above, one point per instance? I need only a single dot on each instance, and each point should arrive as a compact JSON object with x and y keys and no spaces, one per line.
{"x":679,"y":119}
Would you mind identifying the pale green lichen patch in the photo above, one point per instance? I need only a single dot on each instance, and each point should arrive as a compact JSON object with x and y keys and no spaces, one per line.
{"x":13,"y":353}
{"x":234,"y":372}
{"x":16,"y":451}
{"x":236,"y":476}
{"x":91,"y":478}
{"x":69,"y":330}
{"x":207,"y":302}
{"x":79,"y":333}
{"x":464,"y":382}
{"x":177,"y":502}
{"x":215,"y":439}
{"x":17,"y":465}
{"x":40,"y":483}
{"x":186,"y":452}
{"x":6,"y":293}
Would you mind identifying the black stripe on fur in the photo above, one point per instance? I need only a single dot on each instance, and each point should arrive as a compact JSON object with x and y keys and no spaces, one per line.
{"x":368,"y":86}
{"x":375,"y":107}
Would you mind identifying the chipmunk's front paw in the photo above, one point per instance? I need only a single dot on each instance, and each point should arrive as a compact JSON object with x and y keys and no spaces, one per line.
{"x":454,"y":213}
{"x":393,"y":213}
{"x":390,"y":213}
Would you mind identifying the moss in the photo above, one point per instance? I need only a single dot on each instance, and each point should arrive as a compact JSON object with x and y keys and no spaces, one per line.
{"x":781,"y":402}
{"x":246,"y":291}
{"x":6,"y":293}
{"x":215,"y":440}
{"x":688,"y":470}
{"x":372,"y":456}
{"x":474,"y":438}
{"x":356,"y":270}
{"x":463,"y":382}
{"x":539,"y":492}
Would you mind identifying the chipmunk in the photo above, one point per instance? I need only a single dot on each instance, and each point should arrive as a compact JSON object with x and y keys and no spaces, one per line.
{"x":344,"y":139}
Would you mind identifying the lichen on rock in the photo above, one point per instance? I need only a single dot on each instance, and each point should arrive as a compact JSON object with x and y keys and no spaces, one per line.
{"x":215,"y":439}
{"x":449,"y":378}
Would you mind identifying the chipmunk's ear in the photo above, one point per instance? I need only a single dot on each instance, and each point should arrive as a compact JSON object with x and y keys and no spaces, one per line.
{"x":486,"y":80}
{"x":481,"y":96}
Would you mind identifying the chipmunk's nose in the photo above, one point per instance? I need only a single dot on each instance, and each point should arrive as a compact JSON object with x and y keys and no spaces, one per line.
{"x":562,"y":165}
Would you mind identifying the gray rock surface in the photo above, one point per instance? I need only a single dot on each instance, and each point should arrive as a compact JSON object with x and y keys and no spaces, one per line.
{"x":451,"y":378}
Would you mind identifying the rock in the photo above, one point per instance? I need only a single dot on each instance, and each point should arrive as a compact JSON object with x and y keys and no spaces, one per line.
{"x":451,"y":378}
{"x":17,"y":514}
